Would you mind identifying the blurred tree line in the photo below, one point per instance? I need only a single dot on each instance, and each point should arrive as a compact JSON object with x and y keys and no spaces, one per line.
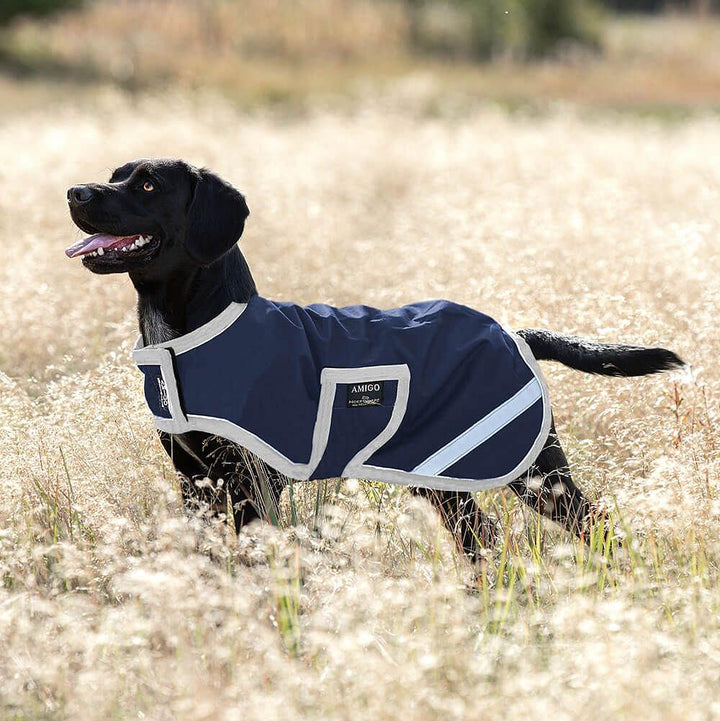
{"x":524,"y":29}
{"x":482,"y":29}
{"x":520,"y":29}
{"x":658,"y":6}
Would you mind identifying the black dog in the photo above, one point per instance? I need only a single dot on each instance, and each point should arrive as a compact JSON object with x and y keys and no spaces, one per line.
{"x":174,"y":228}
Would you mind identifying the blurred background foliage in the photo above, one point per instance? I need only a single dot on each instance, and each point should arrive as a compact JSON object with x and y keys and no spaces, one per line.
{"x":10,"y":8}
{"x":520,"y":29}
{"x":647,"y":54}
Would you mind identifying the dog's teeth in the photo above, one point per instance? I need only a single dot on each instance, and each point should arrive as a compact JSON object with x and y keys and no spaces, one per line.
{"x":124,"y":249}
{"x":100,"y":251}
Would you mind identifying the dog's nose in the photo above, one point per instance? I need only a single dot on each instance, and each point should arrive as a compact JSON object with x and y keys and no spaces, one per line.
{"x":79,"y":194}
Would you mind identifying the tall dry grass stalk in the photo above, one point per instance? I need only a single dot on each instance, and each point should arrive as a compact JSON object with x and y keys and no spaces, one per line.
{"x":114,"y":605}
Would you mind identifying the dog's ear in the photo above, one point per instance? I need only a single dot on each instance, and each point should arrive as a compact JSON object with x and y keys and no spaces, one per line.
{"x":216,"y":218}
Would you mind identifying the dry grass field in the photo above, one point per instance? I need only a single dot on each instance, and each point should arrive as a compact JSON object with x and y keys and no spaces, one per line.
{"x":114,"y":605}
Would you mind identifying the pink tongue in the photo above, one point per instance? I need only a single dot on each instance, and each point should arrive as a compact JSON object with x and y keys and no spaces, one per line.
{"x":99,"y":240}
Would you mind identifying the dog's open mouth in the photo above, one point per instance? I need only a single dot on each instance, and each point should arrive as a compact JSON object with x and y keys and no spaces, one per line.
{"x":119,"y":246}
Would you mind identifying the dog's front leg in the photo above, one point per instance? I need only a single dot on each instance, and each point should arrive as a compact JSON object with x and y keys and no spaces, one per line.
{"x":254,"y":487}
{"x":199,"y":486}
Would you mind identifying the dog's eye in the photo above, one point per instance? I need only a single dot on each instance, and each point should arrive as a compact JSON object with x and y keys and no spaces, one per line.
{"x":148,"y":186}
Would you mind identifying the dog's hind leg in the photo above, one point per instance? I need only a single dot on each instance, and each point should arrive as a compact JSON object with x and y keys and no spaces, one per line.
{"x":548,"y":488}
{"x":472,"y":529}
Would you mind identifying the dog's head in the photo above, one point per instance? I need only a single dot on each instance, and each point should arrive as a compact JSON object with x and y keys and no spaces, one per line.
{"x":155,"y":212}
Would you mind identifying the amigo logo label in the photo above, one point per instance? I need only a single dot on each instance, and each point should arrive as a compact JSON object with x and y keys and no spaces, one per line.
{"x":360,"y":395}
{"x":162,"y":392}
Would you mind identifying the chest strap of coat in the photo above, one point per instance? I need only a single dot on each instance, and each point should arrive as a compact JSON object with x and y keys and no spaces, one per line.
{"x":161,"y":388}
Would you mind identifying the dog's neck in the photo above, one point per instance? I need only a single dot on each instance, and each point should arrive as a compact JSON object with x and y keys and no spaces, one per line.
{"x":179,"y":303}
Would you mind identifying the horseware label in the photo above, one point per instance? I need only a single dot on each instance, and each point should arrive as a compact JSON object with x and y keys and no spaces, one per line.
{"x":360,"y":395}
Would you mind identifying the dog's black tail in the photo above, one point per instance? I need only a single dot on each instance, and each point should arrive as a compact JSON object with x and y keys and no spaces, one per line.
{"x":601,"y":358}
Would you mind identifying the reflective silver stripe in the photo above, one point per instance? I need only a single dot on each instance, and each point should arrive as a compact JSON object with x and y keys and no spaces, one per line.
{"x":479,"y":432}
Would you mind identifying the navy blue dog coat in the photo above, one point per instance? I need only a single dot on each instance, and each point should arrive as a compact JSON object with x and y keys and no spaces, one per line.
{"x":432,"y":394}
